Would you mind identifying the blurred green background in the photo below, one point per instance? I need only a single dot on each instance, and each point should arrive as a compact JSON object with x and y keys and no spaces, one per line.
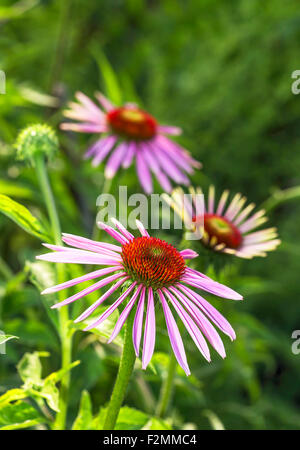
{"x":222,"y":71}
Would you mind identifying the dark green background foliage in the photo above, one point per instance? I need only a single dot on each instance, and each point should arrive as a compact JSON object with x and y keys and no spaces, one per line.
{"x":222,"y":71}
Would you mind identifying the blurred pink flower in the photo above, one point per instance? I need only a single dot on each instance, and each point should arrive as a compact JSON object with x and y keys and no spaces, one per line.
{"x":225,"y":229}
{"x":131,"y":133}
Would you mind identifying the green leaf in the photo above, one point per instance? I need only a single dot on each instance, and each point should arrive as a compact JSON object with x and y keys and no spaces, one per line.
{"x":23,"y":217}
{"x":6,"y":337}
{"x":14,"y":189}
{"x":11,"y":396}
{"x":84,"y":417}
{"x":105,"y":329}
{"x":131,"y":419}
{"x":42,"y":275}
{"x":19,"y":415}
{"x":109,"y":76}
{"x":30,"y":369}
{"x":154,"y":423}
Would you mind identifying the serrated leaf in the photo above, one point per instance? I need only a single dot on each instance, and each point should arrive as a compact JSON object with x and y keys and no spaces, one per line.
{"x":23,"y":217}
{"x":30,"y":369}
{"x":11,"y":396}
{"x":19,"y":415}
{"x":84,"y":417}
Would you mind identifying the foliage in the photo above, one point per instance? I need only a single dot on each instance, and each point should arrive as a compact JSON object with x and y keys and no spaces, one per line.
{"x":222,"y":71}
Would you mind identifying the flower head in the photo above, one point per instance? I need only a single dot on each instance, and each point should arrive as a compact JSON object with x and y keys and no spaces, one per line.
{"x":226,"y":229}
{"x":36,"y":139}
{"x":131,"y":133}
{"x":153,"y":271}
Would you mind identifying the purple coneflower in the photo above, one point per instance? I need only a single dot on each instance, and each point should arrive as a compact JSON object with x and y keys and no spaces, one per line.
{"x":225,"y":229}
{"x":157,"y":272}
{"x":131,"y":133}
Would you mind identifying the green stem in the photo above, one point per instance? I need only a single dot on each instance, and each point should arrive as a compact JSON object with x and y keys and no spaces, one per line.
{"x":125,"y":370}
{"x":65,"y":337}
{"x":167,"y":388}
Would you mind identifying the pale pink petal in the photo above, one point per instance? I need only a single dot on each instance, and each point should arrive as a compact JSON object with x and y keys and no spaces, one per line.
{"x":112,"y":308}
{"x":124,"y":314}
{"x":103,"y":297}
{"x":149,"y":333}
{"x":190,"y":325}
{"x":89,"y":276}
{"x":122,"y":229}
{"x":89,"y":289}
{"x":175,"y":131}
{"x":104,"y":102}
{"x":138,"y":323}
{"x":104,"y":150}
{"x":174,"y":335}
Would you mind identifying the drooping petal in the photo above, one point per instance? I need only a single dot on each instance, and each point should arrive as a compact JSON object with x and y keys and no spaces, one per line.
{"x":112,"y":308}
{"x":88,"y":290}
{"x":89,"y":276}
{"x":124,"y":314}
{"x":203,"y":323}
{"x":211,"y":312}
{"x":174,"y":335}
{"x":100,"y":300}
{"x":149,"y":333}
{"x":138,"y":323}
{"x":211,"y":286}
{"x":190,"y":325}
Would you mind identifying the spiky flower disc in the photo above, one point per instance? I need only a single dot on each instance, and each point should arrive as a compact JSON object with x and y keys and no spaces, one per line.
{"x":152,"y":262}
{"x":150,"y":267}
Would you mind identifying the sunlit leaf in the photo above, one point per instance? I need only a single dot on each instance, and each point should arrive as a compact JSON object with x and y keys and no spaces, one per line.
{"x":19,"y":415}
{"x":84,"y":417}
{"x":23,"y":217}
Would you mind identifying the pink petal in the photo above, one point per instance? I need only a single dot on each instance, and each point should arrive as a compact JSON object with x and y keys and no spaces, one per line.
{"x":112,"y":308}
{"x":89,"y":289}
{"x":124,"y":314}
{"x":100,"y":300}
{"x":149,"y":333}
{"x":138,"y":323}
{"x":174,"y":335}
{"x":87,"y":277}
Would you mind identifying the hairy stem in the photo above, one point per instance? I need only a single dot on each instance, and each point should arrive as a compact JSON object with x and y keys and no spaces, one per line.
{"x":125,"y":370}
